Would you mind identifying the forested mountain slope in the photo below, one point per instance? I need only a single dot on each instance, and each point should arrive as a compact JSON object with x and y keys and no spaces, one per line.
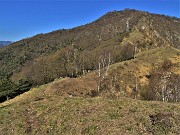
{"x":115,"y":37}
{"x":108,"y":31}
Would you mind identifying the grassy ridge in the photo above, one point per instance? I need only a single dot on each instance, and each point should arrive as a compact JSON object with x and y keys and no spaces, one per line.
{"x":37,"y":112}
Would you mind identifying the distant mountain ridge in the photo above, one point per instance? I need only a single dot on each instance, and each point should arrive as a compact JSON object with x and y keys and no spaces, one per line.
{"x":5,"y":43}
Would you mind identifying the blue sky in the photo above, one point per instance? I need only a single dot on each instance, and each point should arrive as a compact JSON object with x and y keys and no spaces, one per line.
{"x":24,"y":18}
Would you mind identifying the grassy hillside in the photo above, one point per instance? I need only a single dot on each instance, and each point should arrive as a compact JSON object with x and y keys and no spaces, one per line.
{"x":73,"y":105}
{"x":39,"y":112}
{"x":70,"y":53}
{"x":89,"y":80}
{"x":121,"y":77}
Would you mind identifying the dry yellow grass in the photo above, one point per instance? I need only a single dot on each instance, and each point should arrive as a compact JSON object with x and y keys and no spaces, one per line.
{"x":36,"y":113}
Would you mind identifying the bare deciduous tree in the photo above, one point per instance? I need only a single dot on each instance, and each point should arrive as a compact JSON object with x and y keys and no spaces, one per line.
{"x":103,"y":67}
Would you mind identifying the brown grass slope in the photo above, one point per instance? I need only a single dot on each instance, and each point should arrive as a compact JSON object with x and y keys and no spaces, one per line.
{"x":39,"y":112}
{"x":121,"y":77}
{"x":66,"y":106}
